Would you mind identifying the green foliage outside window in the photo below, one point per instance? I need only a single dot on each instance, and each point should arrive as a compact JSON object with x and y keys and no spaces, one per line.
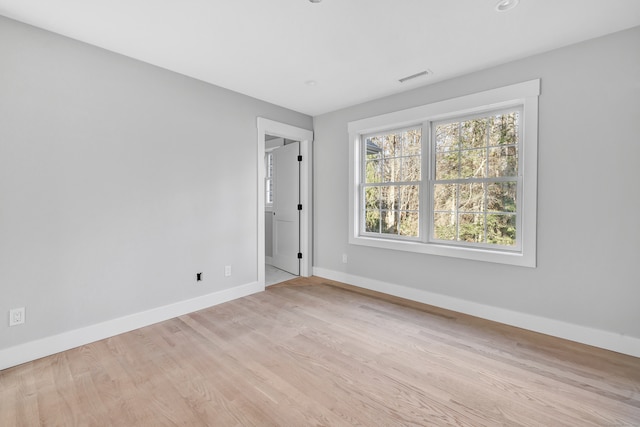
{"x":483,"y":151}
{"x":392,"y":179}
{"x":474,"y":191}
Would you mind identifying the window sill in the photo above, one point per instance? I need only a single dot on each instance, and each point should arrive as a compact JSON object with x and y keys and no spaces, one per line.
{"x":476,"y":254}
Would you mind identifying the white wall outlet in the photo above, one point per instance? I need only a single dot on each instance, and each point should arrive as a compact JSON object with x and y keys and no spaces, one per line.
{"x":345,"y":258}
{"x":16,"y":316}
{"x":227,"y":270}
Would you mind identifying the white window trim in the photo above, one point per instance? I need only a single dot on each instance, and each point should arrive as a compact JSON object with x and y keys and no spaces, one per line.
{"x":525,"y":94}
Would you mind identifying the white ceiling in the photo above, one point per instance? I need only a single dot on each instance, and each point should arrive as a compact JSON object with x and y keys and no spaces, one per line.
{"x":356,"y":50}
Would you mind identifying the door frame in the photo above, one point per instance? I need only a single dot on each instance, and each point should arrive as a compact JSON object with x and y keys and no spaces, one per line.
{"x":283,"y":130}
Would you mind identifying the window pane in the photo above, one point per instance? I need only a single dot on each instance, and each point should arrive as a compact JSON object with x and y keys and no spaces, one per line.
{"x":391,"y":144}
{"x":269,"y":165}
{"x":372,"y":221}
{"x":473,"y":163}
{"x":372,"y":198}
{"x":473,"y":133}
{"x":394,"y":157}
{"x":501,"y":229}
{"x":389,"y":197}
{"x":410,"y":169}
{"x":471,"y":197}
{"x":409,"y":197}
{"x":408,"y":223}
{"x":389,"y":223}
{"x":444,"y":197}
{"x":504,"y":129}
{"x":447,"y":165}
{"x":412,"y":142}
{"x":373,"y":148}
{"x":503,"y":161}
{"x":471,"y":227}
{"x":447,"y":137}
{"x":391,"y":170}
{"x":444,"y":225}
{"x":269,"y":191}
{"x":372,"y":173}
{"x":501,"y":197}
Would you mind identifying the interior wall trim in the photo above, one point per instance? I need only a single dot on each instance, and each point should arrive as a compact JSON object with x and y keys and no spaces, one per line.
{"x":595,"y":337}
{"x":47,"y":346}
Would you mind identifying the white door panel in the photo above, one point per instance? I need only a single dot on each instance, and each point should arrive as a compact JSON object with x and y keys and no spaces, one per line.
{"x":286,"y":224}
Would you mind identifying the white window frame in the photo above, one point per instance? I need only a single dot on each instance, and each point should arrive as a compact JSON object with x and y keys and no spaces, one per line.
{"x":524,"y":95}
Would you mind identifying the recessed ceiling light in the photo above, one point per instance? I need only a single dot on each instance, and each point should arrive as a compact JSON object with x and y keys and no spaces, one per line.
{"x":311,"y":82}
{"x":504,"y":5}
{"x":315,"y":1}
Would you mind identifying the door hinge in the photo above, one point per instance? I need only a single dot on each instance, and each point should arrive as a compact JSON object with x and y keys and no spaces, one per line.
{"x":299,"y":158}
{"x":299,"y":255}
{"x":299,"y":207}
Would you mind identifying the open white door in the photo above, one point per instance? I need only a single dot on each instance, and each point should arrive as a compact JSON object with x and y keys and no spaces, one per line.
{"x":286,"y":224}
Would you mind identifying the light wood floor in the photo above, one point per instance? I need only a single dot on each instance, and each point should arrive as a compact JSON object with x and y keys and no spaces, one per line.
{"x":310,"y":352}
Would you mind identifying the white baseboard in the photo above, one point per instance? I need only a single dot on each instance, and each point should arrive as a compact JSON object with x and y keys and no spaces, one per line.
{"x":33,"y":350}
{"x":582,"y":334}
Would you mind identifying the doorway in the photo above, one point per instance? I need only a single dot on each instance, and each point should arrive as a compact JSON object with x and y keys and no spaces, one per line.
{"x":292,"y":211}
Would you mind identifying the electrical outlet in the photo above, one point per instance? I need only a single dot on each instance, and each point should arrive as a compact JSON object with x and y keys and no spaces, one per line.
{"x":16,"y":316}
{"x":227,"y":270}
{"x":344,"y":258}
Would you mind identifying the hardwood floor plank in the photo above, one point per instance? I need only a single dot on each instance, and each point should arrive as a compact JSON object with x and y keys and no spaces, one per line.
{"x":406,"y":378}
{"x":333,"y":359}
{"x":317,"y":352}
{"x":248,"y":343}
{"x":11,"y":397}
{"x":27,"y":401}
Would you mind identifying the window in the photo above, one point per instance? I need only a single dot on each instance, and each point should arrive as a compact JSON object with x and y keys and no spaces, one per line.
{"x":475,"y":180}
{"x":391,"y":183}
{"x":268,"y":180}
{"x":455,"y":178}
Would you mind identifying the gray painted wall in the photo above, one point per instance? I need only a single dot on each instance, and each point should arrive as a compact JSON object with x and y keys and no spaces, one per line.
{"x":118,"y":182}
{"x":588,"y":197}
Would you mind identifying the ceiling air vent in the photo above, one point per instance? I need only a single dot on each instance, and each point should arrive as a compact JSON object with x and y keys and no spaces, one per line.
{"x":415,"y":76}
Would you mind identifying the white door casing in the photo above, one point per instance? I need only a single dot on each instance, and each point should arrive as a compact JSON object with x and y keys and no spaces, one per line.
{"x":282,"y":130}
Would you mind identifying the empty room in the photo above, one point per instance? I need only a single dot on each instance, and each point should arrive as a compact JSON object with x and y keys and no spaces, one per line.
{"x":319,"y":213}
